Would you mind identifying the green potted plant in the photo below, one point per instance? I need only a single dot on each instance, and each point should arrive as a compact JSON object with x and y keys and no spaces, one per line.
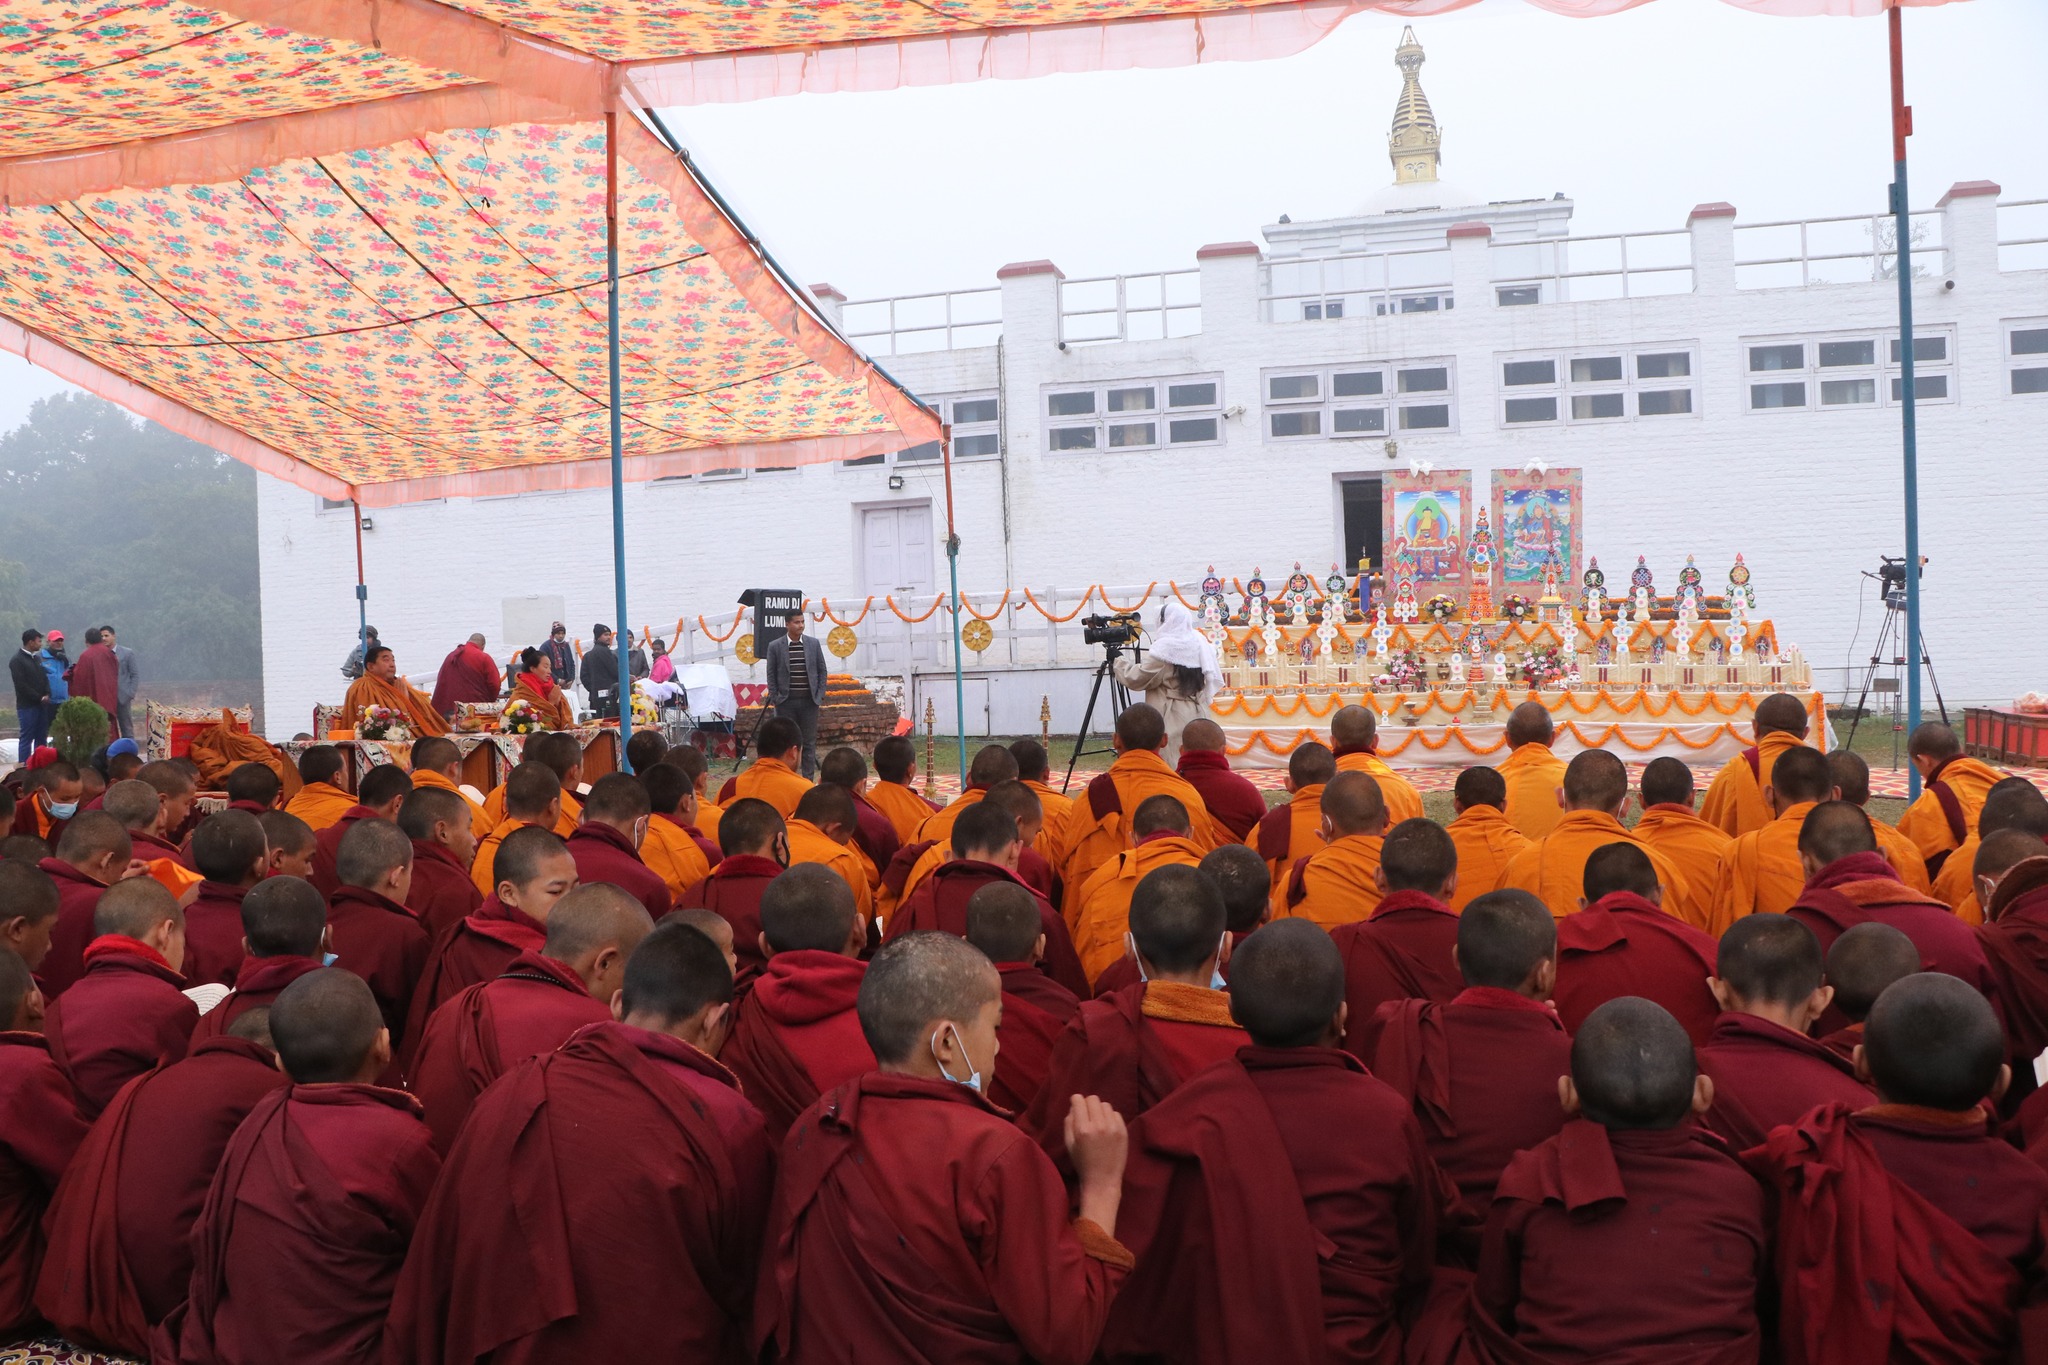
{"x":78,"y":730}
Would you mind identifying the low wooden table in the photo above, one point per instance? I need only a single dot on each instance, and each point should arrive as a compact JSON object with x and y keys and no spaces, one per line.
{"x":486,"y":756}
{"x":2000,"y":735}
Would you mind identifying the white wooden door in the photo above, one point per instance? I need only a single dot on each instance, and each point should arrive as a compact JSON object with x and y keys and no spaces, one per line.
{"x":896,"y":560}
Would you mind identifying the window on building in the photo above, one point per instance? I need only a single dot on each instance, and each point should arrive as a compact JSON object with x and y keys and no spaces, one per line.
{"x":977,"y":433}
{"x":1132,"y":415}
{"x":2027,"y":349}
{"x":1604,"y":386}
{"x":1327,"y":310}
{"x":1359,"y":400}
{"x":1518,"y":296}
{"x":1846,"y":372}
{"x":334,"y":504}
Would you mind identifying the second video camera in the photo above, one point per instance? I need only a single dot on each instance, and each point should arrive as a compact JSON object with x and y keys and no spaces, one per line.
{"x":1114,"y":631}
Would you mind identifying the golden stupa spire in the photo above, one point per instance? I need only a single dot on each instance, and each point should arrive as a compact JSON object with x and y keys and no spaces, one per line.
{"x":1415,"y":139}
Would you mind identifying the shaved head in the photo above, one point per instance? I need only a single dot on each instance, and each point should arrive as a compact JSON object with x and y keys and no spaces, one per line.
{"x":255,"y":783}
{"x":808,"y":907}
{"x":1769,"y":959}
{"x":531,"y":790}
{"x":1161,"y":815}
{"x":1619,"y":866}
{"x":1245,"y":882}
{"x":253,"y":1026}
{"x":1017,"y":801}
{"x":895,"y":756}
{"x":228,"y":846}
{"x":1310,"y":765}
{"x":371,"y":851}
{"x":1666,"y":782}
{"x":1004,"y":922}
{"x":1033,"y":765}
{"x":524,"y":855}
{"x":135,"y":907}
{"x":749,"y":826}
{"x":1354,"y":727}
{"x":666,"y":786}
{"x":27,"y":892}
{"x":1530,"y":723}
{"x":1140,"y":728}
{"x":1287,"y":983}
{"x":830,"y":807}
{"x":1418,"y":855}
{"x":983,"y":832}
{"x":2014,"y":803}
{"x":284,"y":917}
{"x":595,"y":916}
{"x":1633,"y":1066}
{"x":1865,"y":960}
{"x":17,"y":984}
{"x":1354,"y":804}
{"x":320,"y":763}
{"x":1833,"y":829}
{"x":383,"y":784}
{"x":1780,"y":713}
{"x":709,"y":923}
{"x":1802,"y":774}
{"x":325,"y":1026}
{"x":1851,"y":775}
{"x":428,"y":807}
{"x":1595,"y":780}
{"x":92,"y":835}
{"x":1202,"y":736}
{"x":924,"y":978}
{"x":992,"y":764}
{"x":843,"y":767}
{"x":286,"y":833}
{"x":1177,"y":918}
{"x":673,"y":974}
{"x":1932,"y":740}
{"x":1480,"y":787}
{"x":1503,"y":937}
{"x":1933,"y":1040}
{"x":619,"y":800}
{"x":2000,"y":853}
{"x":134,"y":804}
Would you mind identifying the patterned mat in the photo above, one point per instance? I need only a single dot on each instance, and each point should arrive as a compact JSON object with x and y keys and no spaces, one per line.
{"x":56,"y":1351}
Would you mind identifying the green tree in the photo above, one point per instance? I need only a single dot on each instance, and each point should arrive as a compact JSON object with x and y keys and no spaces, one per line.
{"x":120,"y":522}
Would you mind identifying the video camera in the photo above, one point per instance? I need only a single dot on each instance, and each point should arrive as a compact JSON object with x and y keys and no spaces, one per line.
{"x":1891,"y":579}
{"x":1114,"y":631}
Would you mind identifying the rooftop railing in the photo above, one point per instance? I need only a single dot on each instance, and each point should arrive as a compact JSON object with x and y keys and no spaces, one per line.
{"x":913,"y":323}
{"x":1629,"y":265}
{"x":1354,"y":284}
{"x":1165,"y":303}
{"x":1860,"y":249}
{"x":2023,"y":235}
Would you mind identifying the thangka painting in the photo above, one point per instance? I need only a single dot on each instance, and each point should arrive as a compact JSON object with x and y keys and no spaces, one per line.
{"x":1538,"y":513}
{"x":1428,"y":520}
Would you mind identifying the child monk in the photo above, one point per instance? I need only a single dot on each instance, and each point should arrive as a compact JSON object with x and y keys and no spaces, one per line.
{"x":1005,"y":922}
{"x":40,"y":1130}
{"x":129,"y":1011}
{"x":284,"y":925}
{"x":1861,"y":965}
{"x":1623,"y":942}
{"x":755,"y":844}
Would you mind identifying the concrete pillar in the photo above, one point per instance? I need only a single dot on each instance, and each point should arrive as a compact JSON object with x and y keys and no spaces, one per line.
{"x":1969,"y":227}
{"x":1713,"y":248}
{"x":1031,"y":303}
{"x":1471,"y":264}
{"x":830,"y":301}
{"x":1230,"y":286}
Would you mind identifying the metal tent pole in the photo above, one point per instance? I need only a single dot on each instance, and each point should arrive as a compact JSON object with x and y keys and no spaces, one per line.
{"x":953,"y":569}
{"x":611,"y":253}
{"x":1902,"y":128}
{"x":362,"y":588}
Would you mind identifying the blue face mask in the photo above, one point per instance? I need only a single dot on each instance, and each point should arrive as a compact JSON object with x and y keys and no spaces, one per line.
{"x":63,"y":810}
{"x":1216,"y":981}
{"x":973,"y":1081}
{"x":329,"y":959}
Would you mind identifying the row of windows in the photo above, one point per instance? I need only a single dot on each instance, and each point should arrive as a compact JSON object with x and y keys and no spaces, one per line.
{"x":1599,"y":387}
{"x":2026,"y":350}
{"x":1136,"y":415}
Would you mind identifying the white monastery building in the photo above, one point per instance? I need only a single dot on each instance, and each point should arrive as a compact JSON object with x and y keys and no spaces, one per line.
{"x":1725,"y":387}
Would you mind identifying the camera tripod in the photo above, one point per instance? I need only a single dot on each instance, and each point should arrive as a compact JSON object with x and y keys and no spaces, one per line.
{"x":1119,"y":699}
{"x":1893,"y":632}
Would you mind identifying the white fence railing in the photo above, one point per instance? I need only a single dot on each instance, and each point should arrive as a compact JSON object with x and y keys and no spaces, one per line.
{"x":1580,"y":269}
{"x":2023,"y":235}
{"x":1355,"y":284}
{"x":913,"y":323}
{"x":1853,"y":250}
{"x":1165,"y":303}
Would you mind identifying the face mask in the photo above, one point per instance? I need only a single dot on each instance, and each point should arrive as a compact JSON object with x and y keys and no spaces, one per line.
{"x":63,"y":810}
{"x":973,"y":1081}
{"x":1216,"y":981}
{"x":329,"y":959}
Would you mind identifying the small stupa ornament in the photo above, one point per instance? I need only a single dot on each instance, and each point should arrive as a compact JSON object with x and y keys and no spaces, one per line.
{"x":1415,"y":142}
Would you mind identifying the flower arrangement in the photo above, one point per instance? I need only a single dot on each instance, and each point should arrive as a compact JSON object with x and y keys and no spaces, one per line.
{"x":518,"y":718}
{"x":1515,"y":607}
{"x":1441,"y":608}
{"x":382,"y":722}
{"x":1543,"y":667}
{"x":645,"y":716}
{"x":1404,"y":672}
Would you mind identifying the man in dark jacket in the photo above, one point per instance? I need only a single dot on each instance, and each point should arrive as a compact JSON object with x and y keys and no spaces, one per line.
{"x":561,"y":655}
{"x":601,"y":673}
{"x":31,"y":692}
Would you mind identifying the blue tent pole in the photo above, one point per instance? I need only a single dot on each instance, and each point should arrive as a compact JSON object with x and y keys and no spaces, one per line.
{"x":362,"y":587}
{"x":1902,"y":127}
{"x":611,"y":253}
{"x":953,"y":569}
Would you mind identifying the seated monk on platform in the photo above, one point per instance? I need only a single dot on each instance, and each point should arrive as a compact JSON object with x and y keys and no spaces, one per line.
{"x":370,"y":931}
{"x":1354,"y":739}
{"x":2012,"y":880}
{"x":1008,"y":923}
{"x":606,"y":846}
{"x":1293,"y":829}
{"x":1339,"y":883}
{"x":755,"y":844}
{"x":1669,"y":827}
{"x":532,"y":795}
{"x":468,"y":674}
{"x":534,"y":1006}
{"x":1034,"y":770}
{"x":1329,"y":1241}
{"x":1533,"y":774}
{"x":220,"y":749}
{"x":1945,"y":812}
{"x":873,"y":834}
{"x":1234,"y":803}
{"x":986,"y":846}
{"x":1481,"y":831}
{"x":1767,"y":1069}
{"x":129,"y":1011}
{"x":40,"y":1131}
{"x":912,"y":1221}
{"x":28,"y":910}
{"x":1097,"y":828}
{"x":1623,"y":943}
{"x":287,"y":845}
{"x":1480,"y":1071}
{"x":1629,"y":1200}
{"x":299,"y":1244}
{"x":1852,"y":783}
{"x":443,"y":851}
{"x":321,"y":799}
{"x":1861,"y":965}
{"x":775,"y":775}
{"x":2013,"y":803}
{"x":534,"y":684}
{"x":93,"y":854}
{"x":120,"y":1255}
{"x":1405,"y":948}
{"x":1761,"y":870}
{"x":821,"y":831}
{"x":1595,"y":793}
{"x":1134,"y":1047}
{"x":892,"y":793}
{"x":688,"y":760}
{"x":1735,"y":799}
{"x":230,"y":853}
{"x":1941,"y":1223}
{"x":1099,"y":915}
{"x":438,"y":763}
{"x":631,"y":1135}
{"x":379,"y":796}
{"x":796,"y":1035}
{"x":380,"y":685}
{"x":284,"y":927}
{"x":992,"y":764}
{"x":675,"y":848}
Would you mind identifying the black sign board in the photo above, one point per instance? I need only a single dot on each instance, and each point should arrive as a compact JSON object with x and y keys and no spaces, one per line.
{"x":772,"y":607}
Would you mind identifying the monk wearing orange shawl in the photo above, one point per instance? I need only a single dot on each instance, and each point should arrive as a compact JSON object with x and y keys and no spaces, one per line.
{"x":1670,"y":826}
{"x":1339,"y":883}
{"x":437,"y":763}
{"x":1099,"y":825}
{"x":532,"y":797}
{"x":675,"y":849}
{"x":1852,"y":783}
{"x":534,"y":684}
{"x":2014,"y":804}
{"x":992,"y":764}
{"x":774,"y":776}
{"x":1485,"y":839}
{"x":1294,"y":829}
{"x":320,"y":801}
{"x":1761,"y":870}
{"x":220,"y":749}
{"x":1034,"y":770}
{"x":380,"y":685}
{"x":1354,"y":739}
{"x":1099,"y":915}
{"x":821,"y":831}
{"x":562,"y":754}
{"x":1945,"y":812}
{"x":891,"y":792}
{"x":1735,"y":800}
{"x":1554,"y":867}
{"x":1533,"y":773}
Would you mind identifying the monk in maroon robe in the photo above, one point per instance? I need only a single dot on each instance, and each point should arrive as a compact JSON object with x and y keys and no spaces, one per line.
{"x":1136,"y":1047}
{"x":1861,"y":964}
{"x":1205,"y":765}
{"x":28,"y":910}
{"x":1003,"y":920}
{"x":874,"y":833}
{"x":379,"y":796}
{"x":912,"y":1221}
{"x":97,"y":674}
{"x":795,"y":1034}
{"x":1480,"y":1071}
{"x":1623,"y":942}
{"x":1258,"y":1236}
{"x":1906,"y":1231}
{"x":606,"y":846}
{"x":441,"y":825}
{"x":301,"y":1237}
{"x":468,"y":674}
{"x":1632,"y":1237}
{"x":1247,"y":887}
{"x":120,"y":1255}
{"x":228,"y":850}
{"x":284,"y":923}
{"x":129,"y":1011}
{"x":93,"y":854}
{"x":2011,"y":873}
{"x":632,"y":1135}
{"x":755,"y":842}
{"x":371,"y":932}
{"x":40,"y":1131}
{"x":534,"y":872}
{"x":288,"y":844}
{"x":1406,"y":949}
{"x":534,"y":1006}
{"x":1766,"y":1068}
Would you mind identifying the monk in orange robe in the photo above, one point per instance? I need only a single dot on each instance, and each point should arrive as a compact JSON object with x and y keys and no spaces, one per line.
{"x":892,"y":792}
{"x":1852,"y":783}
{"x":992,"y":764}
{"x":1294,"y":829}
{"x":1354,"y":739}
{"x":675,"y":848}
{"x":1955,"y":785}
{"x":1735,"y":799}
{"x":321,"y":801}
{"x":1016,"y":800}
{"x":2014,"y":804}
{"x":1099,"y":825}
{"x":220,"y":749}
{"x":1553,"y":868}
{"x":1761,"y":870}
{"x":1482,"y":833}
{"x":563,"y":755}
{"x":775,"y":775}
{"x":380,"y":685}
{"x":535,"y":685}
{"x":1034,"y":770}
{"x":1669,"y":825}
{"x":532,"y":797}
{"x":437,"y":762}
{"x":1533,"y":773}
{"x":821,"y":831}
{"x":1339,"y":883}
{"x":1099,"y":915}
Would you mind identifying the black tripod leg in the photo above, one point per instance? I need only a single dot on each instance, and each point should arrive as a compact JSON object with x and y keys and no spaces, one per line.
{"x":1087,"y":716}
{"x":1927,"y":661}
{"x":1869,"y":675}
